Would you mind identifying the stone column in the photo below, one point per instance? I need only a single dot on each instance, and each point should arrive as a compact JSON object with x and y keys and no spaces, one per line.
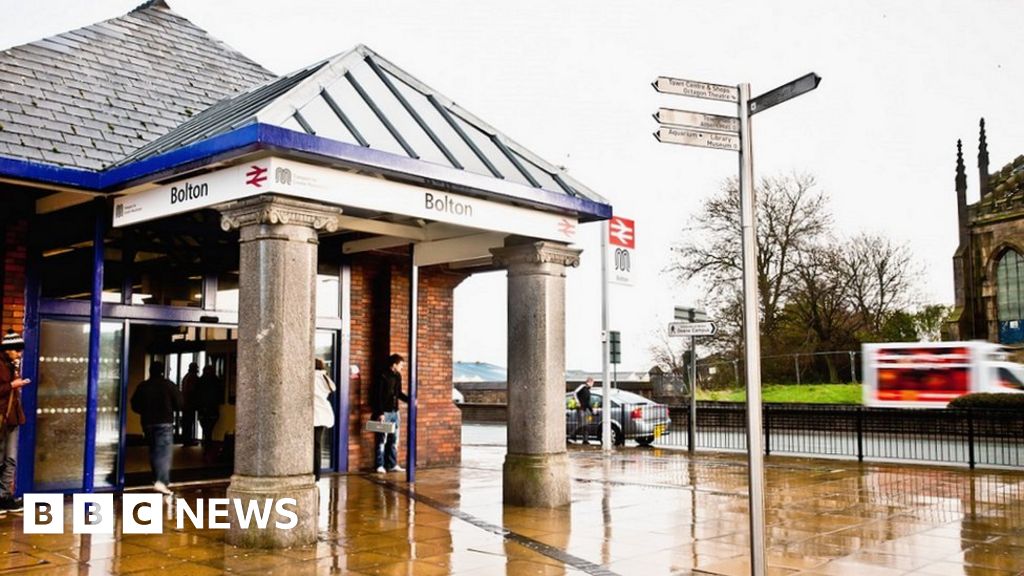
{"x":536,"y":470}
{"x":276,"y":325}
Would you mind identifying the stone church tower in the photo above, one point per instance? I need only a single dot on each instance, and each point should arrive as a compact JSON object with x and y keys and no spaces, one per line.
{"x":988,"y":266}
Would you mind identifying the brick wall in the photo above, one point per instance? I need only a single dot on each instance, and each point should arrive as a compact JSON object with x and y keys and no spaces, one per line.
{"x":440,"y":439}
{"x":380,"y":327}
{"x":14,"y":251}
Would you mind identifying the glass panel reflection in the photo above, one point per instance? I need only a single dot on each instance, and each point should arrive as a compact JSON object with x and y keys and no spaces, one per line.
{"x":61,"y":404}
{"x":324,"y":350}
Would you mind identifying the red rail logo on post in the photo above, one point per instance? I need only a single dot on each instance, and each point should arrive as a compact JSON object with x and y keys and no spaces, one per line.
{"x":256,"y":176}
{"x":621,"y":250}
{"x":622,"y":232}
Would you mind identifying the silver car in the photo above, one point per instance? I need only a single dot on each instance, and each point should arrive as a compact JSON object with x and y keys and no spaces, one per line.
{"x":633,"y":418}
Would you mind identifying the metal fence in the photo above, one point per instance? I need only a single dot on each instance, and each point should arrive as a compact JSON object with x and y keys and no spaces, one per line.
{"x":955,"y":436}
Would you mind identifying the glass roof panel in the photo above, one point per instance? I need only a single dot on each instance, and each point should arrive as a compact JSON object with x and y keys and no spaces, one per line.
{"x":493,"y":153}
{"x":292,"y":124}
{"x":362,"y":117}
{"x":398,"y":116}
{"x":325,"y":122}
{"x":540,"y":175}
{"x":441,"y":128}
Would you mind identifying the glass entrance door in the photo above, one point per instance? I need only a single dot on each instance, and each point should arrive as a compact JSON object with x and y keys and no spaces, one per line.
{"x":61,"y":405}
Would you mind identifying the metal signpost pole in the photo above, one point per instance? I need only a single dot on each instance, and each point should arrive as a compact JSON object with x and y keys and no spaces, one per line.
{"x":606,"y":425}
{"x":719,"y":132}
{"x":751,"y":341}
{"x":692,"y":428}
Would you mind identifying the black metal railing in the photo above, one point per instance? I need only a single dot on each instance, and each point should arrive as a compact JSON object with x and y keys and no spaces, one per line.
{"x":984,"y":437}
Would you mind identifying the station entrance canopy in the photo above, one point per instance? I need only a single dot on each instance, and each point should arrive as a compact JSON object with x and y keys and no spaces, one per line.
{"x":350,"y":191}
{"x":351,"y":147}
{"x":354,"y":131}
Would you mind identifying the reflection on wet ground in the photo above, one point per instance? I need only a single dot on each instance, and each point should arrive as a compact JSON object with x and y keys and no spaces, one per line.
{"x":646,"y":512}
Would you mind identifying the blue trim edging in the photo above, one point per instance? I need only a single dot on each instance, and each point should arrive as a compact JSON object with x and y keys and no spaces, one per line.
{"x":254,"y":137}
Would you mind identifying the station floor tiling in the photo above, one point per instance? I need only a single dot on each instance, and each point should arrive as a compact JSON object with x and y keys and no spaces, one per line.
{"x":639,"y":511}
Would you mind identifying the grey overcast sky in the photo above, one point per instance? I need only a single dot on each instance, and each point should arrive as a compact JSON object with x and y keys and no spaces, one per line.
{"x":570,"y":80}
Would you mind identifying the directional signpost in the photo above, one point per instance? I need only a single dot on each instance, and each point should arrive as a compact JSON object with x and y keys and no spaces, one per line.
{"x":691,"y":128}
{"x":696,"y":89}
{"x":688,"y":329}
{"x":697,"y":120}
{"x":691,"y":322}
{"x":691,"y":137}
{"x":801,"y":85}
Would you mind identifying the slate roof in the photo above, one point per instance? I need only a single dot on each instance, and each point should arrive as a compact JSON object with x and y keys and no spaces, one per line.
{"x":89,"y":97}
{"x":361,"y":98}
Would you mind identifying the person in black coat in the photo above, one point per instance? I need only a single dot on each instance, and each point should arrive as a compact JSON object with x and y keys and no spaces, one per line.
{"x":583,"y":407}
{"x":209,"y":396}
{"x":384,"y":396}
{"x":155,"y":400}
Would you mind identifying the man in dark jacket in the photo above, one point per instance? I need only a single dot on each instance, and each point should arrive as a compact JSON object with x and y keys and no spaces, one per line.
{"x":156,"y":399}
{"x":384,"y":396}
{"x":583,"y":407}
{"x":11,"y":415}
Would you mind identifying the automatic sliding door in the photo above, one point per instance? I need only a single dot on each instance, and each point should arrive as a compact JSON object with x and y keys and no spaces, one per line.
{"x":62,"y":404}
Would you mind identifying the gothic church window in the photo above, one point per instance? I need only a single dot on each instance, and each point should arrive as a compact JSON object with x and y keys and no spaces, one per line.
{"x":1010,"y":296}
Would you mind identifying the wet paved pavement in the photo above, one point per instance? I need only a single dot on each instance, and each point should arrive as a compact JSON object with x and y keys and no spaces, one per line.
{"x":646,"y":512}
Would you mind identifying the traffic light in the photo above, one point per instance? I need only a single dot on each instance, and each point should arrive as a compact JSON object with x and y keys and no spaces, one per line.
{"x":615,"y":340}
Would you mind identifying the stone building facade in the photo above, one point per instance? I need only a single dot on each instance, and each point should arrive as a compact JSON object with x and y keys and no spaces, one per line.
{"x":988,"y":264}
{"x":165,"y":199}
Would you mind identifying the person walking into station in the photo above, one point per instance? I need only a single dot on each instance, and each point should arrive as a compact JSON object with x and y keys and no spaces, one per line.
{"x":189,"y":386}
{"x":12,"y":416}
{"x":583,"y":408}
{"x":209,"y":395}
{"x":384,"y":396}
{"x":155,"y":400}
{"x":323,"y":413}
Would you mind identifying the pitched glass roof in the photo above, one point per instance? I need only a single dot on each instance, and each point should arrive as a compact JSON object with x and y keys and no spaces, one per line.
{"x":360,"y":98}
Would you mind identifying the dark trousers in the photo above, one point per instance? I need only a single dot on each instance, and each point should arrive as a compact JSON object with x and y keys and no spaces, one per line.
{"x":188,"y":426}
{"x":318,"y":442}
{"x":208,"y":421}
{"x":161,"y":440}
{"x":583,"y":418}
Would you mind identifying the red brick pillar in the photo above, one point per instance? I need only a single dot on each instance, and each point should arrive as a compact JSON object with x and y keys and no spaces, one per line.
{"x":380,"y":327}
{"x":440,"y":420}
{"x":15,"y":255}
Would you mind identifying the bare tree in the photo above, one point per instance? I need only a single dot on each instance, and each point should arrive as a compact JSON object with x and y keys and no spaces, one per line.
{"x":881,"y":275}
{"x":821,"y":302}
{"x":792,"y":217}
{"x":668,"y":353}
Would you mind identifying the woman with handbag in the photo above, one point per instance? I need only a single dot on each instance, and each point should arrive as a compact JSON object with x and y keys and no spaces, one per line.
{"x":323,"y":413}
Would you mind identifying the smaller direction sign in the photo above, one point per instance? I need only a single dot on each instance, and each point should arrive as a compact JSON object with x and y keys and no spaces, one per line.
{"x":689,"y":137}
{"x":697,"y":120}
{"x":801,"y":85}
{"x":696,"y":89}
{"x":691,"y":329}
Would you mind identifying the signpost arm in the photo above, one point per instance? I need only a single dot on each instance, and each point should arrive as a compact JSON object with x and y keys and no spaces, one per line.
{"x":606,"y":424}
{"x":752,"y":341}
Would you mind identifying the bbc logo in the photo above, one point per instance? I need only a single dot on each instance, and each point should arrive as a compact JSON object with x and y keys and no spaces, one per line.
{"x":93,"y":514}
{"x":144,"y":513}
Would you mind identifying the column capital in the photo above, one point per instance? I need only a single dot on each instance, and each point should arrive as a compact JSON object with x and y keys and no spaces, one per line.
{"x":534,"y":255}
{"x":272,"y":209}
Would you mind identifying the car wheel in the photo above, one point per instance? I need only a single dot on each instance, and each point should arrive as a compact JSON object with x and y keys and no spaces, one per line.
{"x":645,"y":441}
{"x":619,"y":437}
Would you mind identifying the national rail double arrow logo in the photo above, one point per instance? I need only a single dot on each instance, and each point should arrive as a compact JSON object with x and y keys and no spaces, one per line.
{"x":622,"y":232}
{"x":256,"y":176}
